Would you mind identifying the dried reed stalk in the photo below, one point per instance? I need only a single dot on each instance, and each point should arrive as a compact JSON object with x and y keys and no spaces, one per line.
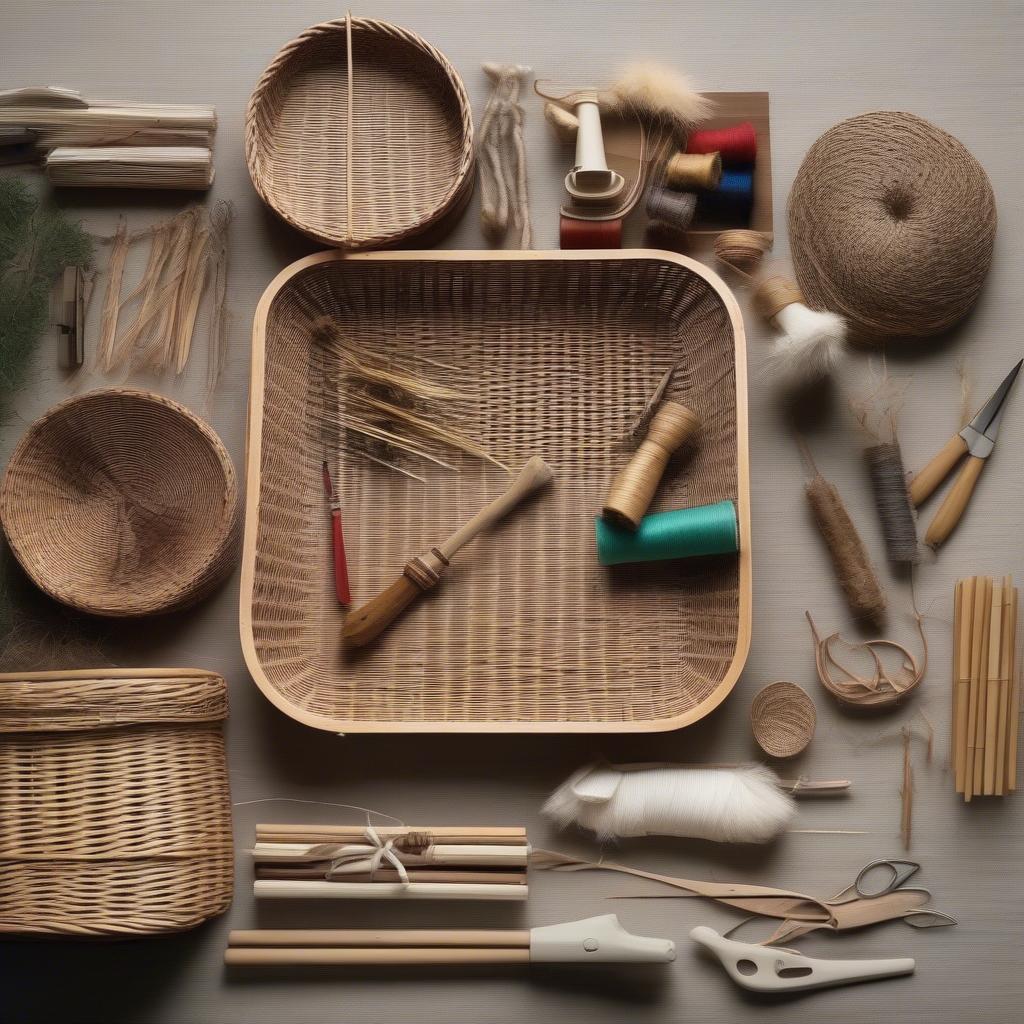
{"x":164,"y":167}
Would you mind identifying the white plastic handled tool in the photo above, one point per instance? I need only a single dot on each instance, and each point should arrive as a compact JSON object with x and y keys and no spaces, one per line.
{"x":762,"y":969}
{"x":597,"y":940}
{"x":591,"y":180}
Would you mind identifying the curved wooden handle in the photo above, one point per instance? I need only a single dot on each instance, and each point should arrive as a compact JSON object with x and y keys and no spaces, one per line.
{"x":367,"y":623}
{"x":937,"y":470}
{"x":953,"y":507}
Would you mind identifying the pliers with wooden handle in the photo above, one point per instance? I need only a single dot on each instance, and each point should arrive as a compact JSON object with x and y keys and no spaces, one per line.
{"x":976,"y":441}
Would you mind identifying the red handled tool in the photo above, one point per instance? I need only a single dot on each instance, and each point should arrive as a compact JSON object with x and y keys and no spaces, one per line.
{"x":341,"y":585}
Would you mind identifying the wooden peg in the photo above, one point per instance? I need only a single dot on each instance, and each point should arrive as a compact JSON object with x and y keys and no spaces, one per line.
{"x":633,"y":487}
{"x":424,"y":572}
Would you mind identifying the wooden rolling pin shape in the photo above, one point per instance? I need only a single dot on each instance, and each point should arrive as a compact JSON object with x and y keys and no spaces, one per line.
{"x":423,"y":572}
{"x":633,"y":487}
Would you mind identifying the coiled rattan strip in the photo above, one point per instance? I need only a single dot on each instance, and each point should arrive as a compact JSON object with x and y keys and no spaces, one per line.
{"x":259,"y":133}
{"x":783,"y":719}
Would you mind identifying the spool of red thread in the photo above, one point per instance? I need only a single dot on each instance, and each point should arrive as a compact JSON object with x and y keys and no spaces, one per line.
{"x":737,"y":143}
{"x":590,"y":234}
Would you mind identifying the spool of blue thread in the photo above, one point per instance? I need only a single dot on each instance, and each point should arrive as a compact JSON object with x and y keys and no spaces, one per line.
{"x":681,"y":533}
{"x":734,"y":196}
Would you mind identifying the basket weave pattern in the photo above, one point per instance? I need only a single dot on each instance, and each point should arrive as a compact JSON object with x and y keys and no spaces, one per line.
{"x":115,"y":816}
{"x":560,"y":356}
{"x":122,"y":502}
{"x":412,"y":146}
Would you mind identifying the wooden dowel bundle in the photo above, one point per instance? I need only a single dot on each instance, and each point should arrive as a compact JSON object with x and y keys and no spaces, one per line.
{"x":404,"y":862}
{"x":986,"y":697}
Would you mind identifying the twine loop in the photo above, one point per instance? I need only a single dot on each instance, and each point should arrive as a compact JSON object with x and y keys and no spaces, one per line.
{"x":380,"y":851}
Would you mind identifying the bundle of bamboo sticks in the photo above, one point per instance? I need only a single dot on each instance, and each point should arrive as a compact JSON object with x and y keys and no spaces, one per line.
{"x":179,"y":167}
{"x":356,"y":862}
{"x":986,"y":687}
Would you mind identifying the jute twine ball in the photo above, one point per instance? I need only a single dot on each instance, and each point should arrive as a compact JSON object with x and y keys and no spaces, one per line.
{"x":783,"y":718}
{"x":892,"y":224}
{"x":121,"y":502}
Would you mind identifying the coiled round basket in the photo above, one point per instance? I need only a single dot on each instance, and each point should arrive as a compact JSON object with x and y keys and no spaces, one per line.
{"x":121,"y":502}
{"x":360,"y":154}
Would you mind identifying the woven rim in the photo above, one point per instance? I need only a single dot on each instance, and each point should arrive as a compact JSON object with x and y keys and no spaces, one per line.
{"x":46,"y":507}
{"x":259,"y":132}
{"x":783,"y":718}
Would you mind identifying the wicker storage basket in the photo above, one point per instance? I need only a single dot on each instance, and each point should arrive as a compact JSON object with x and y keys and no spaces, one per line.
{"x":115,"y":817}
{"x":122,"y":502}
{"x":370,"y":173}
{"x":527,"y":633}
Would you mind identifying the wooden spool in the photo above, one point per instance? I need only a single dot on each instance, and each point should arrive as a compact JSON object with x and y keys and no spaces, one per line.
{"x":783,"y":718}
{"x":633,"y":487}
{"x":687,"y":171}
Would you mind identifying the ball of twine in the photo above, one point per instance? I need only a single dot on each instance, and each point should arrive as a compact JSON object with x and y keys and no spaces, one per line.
{"x":783,"y":718}
{"x":892,"y":225}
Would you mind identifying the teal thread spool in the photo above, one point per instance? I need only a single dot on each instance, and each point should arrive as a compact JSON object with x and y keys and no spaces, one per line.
{"x":681,"y":533}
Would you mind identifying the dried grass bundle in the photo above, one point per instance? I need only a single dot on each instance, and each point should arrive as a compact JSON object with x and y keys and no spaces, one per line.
{"x":152,"y":327}
{"x":392,"y":409}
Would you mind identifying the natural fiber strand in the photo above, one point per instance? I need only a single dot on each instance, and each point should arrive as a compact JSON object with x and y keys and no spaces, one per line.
{"x":220,"y":246}
{"x":906,"y":792}
{"x":504,"y":199}
{"x":884,"y":687}
{"x":846,"y":550}
{"x":892,"y":225}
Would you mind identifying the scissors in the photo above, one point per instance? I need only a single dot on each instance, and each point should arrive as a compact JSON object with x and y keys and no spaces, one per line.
{"x":976,"y":441}
{"x":863,"y":903}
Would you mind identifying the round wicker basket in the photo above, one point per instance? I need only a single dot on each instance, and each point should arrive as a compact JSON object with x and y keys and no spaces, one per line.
{"x":783,"y":719}
{"x":121,"y":502}
{"x":371,"y":173}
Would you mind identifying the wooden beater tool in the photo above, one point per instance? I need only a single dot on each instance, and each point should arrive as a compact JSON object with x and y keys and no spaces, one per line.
{"x":424,"y":571}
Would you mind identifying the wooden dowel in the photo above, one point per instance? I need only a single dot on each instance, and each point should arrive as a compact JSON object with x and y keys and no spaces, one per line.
{"x":314,"y":837}
{"x":977,"y":630}
{"x":995,"y":653}
{"x":956,"y":701}
{"x":492,"y":834}
{"x":290,"y":890}
{"x":1013,"y":709}
{"x":442,"y":855}
{"x":386,"y":937}
{"x":964,"y":679}
{"x":259,"y":957}
{"x":390,"y":875}
{"x":1005,"y":669}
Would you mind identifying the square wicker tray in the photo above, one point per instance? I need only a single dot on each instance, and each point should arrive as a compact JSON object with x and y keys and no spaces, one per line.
{"x":527,"y":633}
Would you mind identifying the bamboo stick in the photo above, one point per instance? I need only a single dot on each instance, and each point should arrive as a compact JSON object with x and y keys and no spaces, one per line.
{"x":492,"y":835}
{"x":391,"y":875}
{"x":288,"y":890}
{"x":977,"y":632}
{"x":995,"y":650}
{"x":1005,"y":670}
{"x":1013,"y":708}
{"x":443,"y":855}
{"x":978,"y":776}
{"x":387,"y":937}
{"x":351,"y":957}
{"x":964,"y":603}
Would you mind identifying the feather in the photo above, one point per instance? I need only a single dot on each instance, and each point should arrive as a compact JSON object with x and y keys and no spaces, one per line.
{"x":661,"y":93}
{"x":809,"y":347}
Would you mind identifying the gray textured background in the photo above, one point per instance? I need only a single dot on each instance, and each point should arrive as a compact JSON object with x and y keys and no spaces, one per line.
{"x":955,"y":63}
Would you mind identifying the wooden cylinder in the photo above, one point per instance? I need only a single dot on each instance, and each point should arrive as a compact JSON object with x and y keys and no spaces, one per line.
{"x":687,"y":171}
{"x":633,"y":487}
{"x":354,"y":957}
{"x":367,"y":938}
{"x":774,"y":294}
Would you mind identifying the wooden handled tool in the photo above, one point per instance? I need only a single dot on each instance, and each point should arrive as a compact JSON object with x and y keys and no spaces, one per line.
{"x":597,"y":940}
{"x":633,"y":487}
{"x":424,"y":571}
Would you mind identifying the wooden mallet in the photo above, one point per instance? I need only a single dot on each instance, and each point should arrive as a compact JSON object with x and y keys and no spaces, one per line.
{"x":423,"y":572}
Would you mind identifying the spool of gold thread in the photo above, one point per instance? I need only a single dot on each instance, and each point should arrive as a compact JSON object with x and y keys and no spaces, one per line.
{"x":775,"y":293}
{"x":634,"y":485}
{"x":694,"y":170}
